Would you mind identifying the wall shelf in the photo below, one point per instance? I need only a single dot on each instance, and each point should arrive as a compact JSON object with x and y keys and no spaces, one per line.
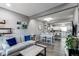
{"x":5,"y":31}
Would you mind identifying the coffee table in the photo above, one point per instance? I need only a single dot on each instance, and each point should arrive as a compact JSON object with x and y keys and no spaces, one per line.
{"x":34,"y":50}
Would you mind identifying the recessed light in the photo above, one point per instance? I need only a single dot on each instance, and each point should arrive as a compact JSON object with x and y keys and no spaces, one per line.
{"x":8,"y":4}
{"x":48,"y":19}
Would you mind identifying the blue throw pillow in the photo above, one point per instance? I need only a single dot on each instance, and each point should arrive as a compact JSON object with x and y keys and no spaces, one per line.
{"x":11,"y":41}
{"x":27,"y":38}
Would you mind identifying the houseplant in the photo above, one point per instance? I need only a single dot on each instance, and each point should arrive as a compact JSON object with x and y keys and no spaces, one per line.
{"x":71,"y":44}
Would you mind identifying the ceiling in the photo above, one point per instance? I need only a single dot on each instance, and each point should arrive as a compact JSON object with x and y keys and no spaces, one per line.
{"x":64,"y":16}
{"x":29,"y":9}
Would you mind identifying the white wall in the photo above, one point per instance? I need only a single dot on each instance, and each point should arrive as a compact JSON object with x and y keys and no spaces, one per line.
{"x":33,"y":27}
{"x":11,"y":22}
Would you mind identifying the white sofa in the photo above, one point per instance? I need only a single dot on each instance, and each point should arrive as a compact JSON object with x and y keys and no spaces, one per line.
{"x":14,"y":50}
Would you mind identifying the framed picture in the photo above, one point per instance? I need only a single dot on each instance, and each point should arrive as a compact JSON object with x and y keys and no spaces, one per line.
{"x":19,"y":22}
{"x":24,"y":26}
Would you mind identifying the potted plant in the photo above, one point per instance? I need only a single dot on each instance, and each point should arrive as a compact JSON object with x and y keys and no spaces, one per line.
{"x":71,"y":44}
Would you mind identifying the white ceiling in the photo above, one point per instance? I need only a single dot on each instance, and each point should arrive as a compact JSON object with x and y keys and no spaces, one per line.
{"x":29,"y":9}
{"x":64,"y":16}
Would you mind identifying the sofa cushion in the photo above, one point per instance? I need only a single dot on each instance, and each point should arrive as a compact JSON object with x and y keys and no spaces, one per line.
{"x":4,"y":43}
{"x":4,"y":40}
{"x":11,"y":41}
{"x":18,"y":37}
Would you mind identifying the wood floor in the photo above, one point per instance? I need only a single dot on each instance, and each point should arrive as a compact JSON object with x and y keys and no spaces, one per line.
{"x":57,"y":49}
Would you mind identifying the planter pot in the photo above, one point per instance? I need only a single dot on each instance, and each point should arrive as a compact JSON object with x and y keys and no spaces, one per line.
{"x":74,"y":52}
{"x":71,"y":52}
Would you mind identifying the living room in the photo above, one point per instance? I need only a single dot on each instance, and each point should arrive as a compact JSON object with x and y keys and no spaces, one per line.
{"x":39,"y":27}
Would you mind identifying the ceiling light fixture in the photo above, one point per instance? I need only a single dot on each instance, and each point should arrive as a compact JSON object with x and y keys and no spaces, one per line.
{"x":48,"y":19}
{"x":8,"y":4}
